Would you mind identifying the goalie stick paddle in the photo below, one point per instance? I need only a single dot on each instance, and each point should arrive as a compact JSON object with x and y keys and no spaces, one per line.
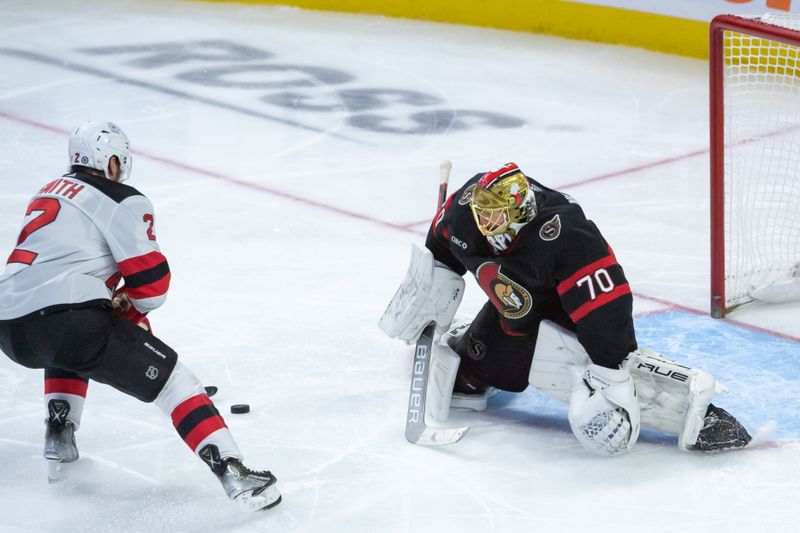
{"x":417,"y":432}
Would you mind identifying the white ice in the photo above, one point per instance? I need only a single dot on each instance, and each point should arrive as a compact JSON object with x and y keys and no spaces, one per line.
{"x":288,"y":229}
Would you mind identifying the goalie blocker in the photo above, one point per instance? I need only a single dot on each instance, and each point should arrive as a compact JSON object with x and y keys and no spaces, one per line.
{"x":425,"y":304}
{"x":429,"y":293}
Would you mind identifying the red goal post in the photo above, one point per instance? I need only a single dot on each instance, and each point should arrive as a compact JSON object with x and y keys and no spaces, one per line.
{"x":755,"y":160}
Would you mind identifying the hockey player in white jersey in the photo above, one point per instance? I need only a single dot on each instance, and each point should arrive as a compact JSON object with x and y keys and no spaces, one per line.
{"x":61,"y":310}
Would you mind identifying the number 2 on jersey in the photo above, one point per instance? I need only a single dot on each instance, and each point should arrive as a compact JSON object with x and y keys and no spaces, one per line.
{"x":49,"y":208}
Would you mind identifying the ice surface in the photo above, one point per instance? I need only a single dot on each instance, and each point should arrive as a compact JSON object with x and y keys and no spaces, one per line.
{"x":292,"y":157}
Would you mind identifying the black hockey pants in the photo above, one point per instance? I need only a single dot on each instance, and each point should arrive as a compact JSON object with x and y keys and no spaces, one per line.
{"x":94,"y":343}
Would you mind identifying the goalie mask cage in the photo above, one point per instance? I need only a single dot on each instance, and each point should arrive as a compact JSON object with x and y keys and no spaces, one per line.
{"x":755,"y":155}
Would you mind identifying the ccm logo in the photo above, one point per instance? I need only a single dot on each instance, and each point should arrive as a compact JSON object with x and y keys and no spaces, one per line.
{"x":458,"y":242}
{"x":654,"y":369}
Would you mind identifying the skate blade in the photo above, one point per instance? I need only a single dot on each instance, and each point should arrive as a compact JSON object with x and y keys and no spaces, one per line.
{"x":56,"y":471}
{"x":266,"y":499}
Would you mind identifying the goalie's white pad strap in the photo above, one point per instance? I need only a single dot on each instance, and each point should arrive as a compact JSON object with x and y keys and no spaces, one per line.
{"x":604,"y":410}
{"x":473,"y":402}
{"x":429,"y":293}
{"x":441,"y":379}
{"x":673,"y":398}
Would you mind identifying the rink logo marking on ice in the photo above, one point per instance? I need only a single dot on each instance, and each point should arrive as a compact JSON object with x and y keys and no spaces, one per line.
{"x":309,"y":90}
{"x":75,"y":67}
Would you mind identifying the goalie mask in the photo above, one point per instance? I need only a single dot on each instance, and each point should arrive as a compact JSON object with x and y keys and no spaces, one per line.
{"x":502,"y":201}
{"x":92,"y":144}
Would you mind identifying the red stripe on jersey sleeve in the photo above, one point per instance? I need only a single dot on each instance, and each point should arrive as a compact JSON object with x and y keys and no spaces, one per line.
{"x":151,"y":290}
{"x":571,"y":281}
{"x":65,"y":386}
{"x":134,"y":265}
{"x":203,"y":430}
{"x":600,"y":301}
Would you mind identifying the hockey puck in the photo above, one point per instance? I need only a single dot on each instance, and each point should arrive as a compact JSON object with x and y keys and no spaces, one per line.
{"x":240,"y":408}
{"x":211,"y":390}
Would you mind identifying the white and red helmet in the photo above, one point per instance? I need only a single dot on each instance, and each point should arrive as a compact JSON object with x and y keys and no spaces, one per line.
{"x":92,"y":144}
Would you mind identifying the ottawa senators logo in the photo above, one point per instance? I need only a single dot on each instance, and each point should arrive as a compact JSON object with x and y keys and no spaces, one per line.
{"x":551,"y":229}
{"x":475,"y":348}
{"x":466,"y":196}
{"x":509,"y":297}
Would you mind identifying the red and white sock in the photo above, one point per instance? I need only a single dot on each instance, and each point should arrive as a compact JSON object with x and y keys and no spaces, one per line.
{"x":68,"y":387}
{"x":193,"y":414}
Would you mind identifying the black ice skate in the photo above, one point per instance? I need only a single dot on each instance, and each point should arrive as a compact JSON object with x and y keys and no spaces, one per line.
{"x":721,"y":431}
{"x":59,"y":440}
{"x":256,"y":491}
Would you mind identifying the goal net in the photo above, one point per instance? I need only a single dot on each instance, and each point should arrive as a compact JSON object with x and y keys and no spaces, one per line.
{"x":755,"y":160}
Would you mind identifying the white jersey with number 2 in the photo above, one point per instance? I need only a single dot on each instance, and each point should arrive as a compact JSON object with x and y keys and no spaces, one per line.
{"x":80,"y":234}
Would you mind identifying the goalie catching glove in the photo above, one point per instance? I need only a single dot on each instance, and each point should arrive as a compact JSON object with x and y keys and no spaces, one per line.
{"x":604,"y":410}
{"x":430,"y":292}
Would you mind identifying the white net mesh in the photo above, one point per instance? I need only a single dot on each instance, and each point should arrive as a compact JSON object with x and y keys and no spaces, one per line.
{"x":762,"y":160}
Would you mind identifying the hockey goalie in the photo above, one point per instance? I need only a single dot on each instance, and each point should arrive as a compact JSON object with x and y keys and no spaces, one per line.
{"x":559,"y":317}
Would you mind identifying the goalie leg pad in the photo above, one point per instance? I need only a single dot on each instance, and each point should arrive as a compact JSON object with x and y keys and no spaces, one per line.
{"x":557,"y":352}
{"x":477,"y":401}
{"x":439,"y":396}
{"x":473,"y":402}
{"x":441,"y":379}
{"x":674,"y":398}
{"x":429,"y":293}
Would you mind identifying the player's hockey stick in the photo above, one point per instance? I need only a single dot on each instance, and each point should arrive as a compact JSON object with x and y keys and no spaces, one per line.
{"x":417,"y":432}
{"x":444,"y":176}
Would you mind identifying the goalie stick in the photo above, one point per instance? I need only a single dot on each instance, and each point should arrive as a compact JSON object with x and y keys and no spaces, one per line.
{"x":417,"y":431}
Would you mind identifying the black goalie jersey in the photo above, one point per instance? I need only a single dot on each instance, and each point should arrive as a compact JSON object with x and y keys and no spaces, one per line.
{"x":558,"y":267}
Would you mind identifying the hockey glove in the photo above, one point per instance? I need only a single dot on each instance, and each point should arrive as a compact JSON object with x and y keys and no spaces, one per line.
{"x":123,"y":306}
{"x":604,"y":411}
